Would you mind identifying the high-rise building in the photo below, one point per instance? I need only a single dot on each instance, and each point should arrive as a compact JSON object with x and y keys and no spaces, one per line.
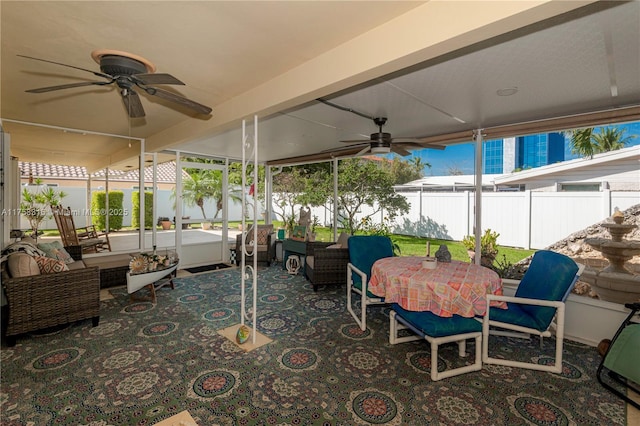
{"x":522,"y":152}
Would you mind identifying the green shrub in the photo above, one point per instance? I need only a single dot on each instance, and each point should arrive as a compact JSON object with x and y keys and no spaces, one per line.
{"x":99,"y":210}
{"x":148,"y":210}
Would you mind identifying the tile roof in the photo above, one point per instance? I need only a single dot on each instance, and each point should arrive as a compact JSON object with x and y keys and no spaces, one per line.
{"x":165,"y":172}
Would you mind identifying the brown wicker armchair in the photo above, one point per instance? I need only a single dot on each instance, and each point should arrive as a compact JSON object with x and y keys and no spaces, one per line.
{"x":266,"y":244}
{"x":42,"y":301}
{"x":326,"y":265}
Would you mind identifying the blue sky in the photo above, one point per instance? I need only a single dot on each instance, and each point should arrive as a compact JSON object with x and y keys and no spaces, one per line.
{"x":462,"y":156}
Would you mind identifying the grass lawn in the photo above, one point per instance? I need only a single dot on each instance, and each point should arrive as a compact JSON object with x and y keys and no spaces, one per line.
{"x":409,"y":245}
{"x":417,"y":246}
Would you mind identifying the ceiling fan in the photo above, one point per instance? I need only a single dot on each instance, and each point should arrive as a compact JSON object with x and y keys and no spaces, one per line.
{"x":128,"y":72}
{"x":383,"y":143}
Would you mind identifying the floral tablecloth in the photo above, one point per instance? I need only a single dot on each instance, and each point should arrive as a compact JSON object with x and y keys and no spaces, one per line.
{"x":451,"y":288}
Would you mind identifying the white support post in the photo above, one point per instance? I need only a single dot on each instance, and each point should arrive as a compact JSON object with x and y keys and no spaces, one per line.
{"x":106,"y":200}
{"x":141,"y":196}
{"x":249,"y":270}
{"x":178,"y":212}
{"x":478,"y":198}
{"x":154,"y":196}
{"x":527,"y":213}
{"x":268,"y":193}
{"x":225,"y":212}
{"x":87,"y":198}
{"x":335,"y":199}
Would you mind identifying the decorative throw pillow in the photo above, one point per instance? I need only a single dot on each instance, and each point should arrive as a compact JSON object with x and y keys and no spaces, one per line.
{"x":22,"y":265}
{"x":55,"y":250}
{"x":48,"y":265}
{"x":263,"y":234}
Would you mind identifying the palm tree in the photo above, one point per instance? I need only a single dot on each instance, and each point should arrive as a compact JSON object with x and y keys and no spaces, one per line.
{"x":200,"y":185}
{"x":611,"y":139}
{"x":418,"y":164}
{"x":587,"y":143}
{"x":581,"y":143}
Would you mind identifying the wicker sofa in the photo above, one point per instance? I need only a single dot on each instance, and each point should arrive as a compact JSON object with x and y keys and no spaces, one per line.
{"x":326,"y":263}
{"x":40,"y":301}
{"x":113,"y":267}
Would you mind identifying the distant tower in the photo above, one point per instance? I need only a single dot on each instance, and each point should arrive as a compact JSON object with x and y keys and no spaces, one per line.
{"x":539,"y":150}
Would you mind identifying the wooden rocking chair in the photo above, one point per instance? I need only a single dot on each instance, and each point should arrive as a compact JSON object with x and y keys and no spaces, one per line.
{"x":85,"y":237}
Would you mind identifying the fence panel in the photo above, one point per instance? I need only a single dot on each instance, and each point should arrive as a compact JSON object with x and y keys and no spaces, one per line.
{"x":555,"y":215}
{"x":506,"y":213}
{"x":624,"y":200}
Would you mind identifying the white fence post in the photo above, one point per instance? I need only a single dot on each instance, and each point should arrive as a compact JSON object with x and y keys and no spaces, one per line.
{"x":607,"y":209}
{"x":529,"y":220}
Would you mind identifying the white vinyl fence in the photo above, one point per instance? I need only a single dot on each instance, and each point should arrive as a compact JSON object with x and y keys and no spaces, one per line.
{"x":526,"y":219}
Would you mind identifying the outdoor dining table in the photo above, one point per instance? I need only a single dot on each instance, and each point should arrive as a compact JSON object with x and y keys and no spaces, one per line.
{"x":451,"y":288}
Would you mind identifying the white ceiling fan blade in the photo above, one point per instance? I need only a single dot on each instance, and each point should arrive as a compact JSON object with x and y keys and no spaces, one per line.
{"x":363,"y":151}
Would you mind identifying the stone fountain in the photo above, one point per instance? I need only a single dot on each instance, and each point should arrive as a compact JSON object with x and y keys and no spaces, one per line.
{"x":615,"y":283}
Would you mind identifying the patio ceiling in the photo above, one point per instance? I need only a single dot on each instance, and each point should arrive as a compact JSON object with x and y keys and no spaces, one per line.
{"x":432,"y":68}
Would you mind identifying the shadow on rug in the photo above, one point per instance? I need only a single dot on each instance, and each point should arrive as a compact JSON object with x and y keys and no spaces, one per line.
{"x":207,"y":268}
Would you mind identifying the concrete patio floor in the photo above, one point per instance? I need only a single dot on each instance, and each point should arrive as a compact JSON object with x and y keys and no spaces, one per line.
{"x":129,"y":240}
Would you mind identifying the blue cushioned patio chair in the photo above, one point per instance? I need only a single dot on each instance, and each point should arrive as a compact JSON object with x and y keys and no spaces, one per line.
{"x":364,"y":250}
{"x":539,"y":299}
{"x":437,"y":331}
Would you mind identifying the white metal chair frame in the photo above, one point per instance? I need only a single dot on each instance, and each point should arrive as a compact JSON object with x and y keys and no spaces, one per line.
{"x":525,"y":332}
{"x":365,"y":300}
{"x":397,"y":323}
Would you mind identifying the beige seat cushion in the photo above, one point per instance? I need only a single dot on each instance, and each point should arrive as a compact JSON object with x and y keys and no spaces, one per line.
{"x":78,"y":264}
{"x":22,"y":265}
{"x":309,"y":261}
{"x":343,"y":240}
{"x":108,"y":261}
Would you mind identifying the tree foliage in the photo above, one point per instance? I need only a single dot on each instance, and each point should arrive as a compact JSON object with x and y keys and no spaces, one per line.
{"x":361,"y":182}
{"x":199,"y":186}
{"x":204,"y":184}
{"x":289,"y":188}
{"x":586,"y":142}
{"x":36,"y":202}
{"x":405,"y":171}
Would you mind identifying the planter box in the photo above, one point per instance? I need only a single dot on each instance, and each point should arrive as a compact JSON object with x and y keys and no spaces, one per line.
{"x":587,"y":320}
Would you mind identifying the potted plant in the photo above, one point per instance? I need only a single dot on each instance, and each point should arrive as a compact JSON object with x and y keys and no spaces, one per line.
{"x":488,"y":247}
{"x":164,"y":222}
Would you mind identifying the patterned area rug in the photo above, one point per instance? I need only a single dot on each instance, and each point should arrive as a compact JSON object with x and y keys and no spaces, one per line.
{"x":145,"y":363}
